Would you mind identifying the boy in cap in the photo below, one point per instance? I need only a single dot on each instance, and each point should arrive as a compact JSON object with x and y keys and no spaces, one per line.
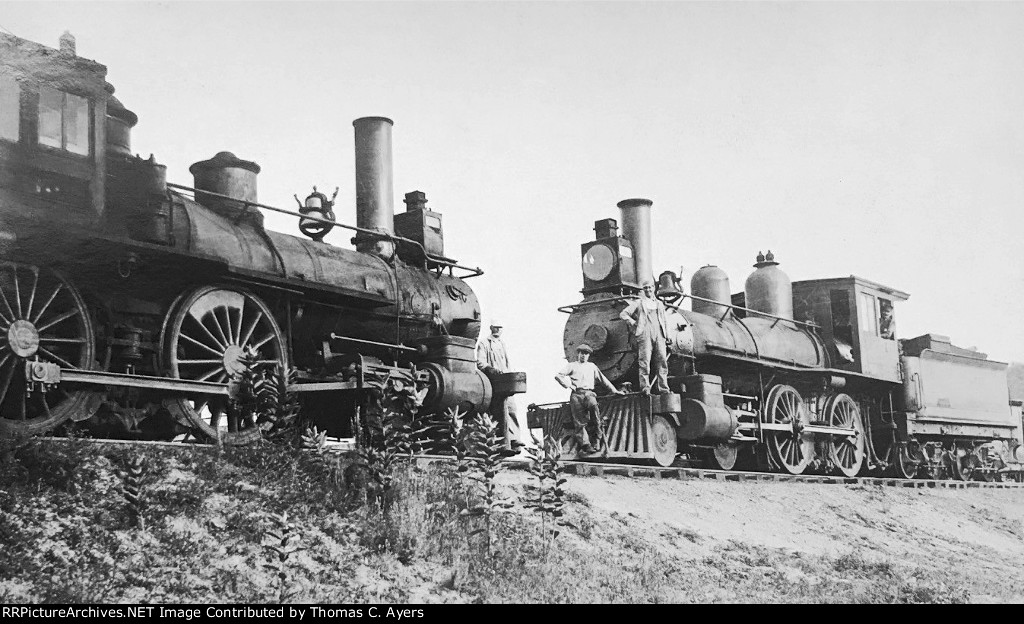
{"x":580,"y":377}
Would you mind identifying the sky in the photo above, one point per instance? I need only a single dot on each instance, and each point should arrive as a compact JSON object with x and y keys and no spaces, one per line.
{"x":884,"y":140}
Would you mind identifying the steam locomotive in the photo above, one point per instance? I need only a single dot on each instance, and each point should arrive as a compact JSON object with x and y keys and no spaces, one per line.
{"x":786,"y":376}
{"x":141,"y":301}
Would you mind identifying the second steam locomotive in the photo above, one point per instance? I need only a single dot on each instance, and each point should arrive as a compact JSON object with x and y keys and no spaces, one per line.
{"x":788,"y":376}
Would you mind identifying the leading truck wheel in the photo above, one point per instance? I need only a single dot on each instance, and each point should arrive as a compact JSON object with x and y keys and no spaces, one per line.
{"x":847,"y":452}
{"x":723,"y":456}
{"x":791,"y":449}
{"x":43,"y":321}
{"x":205,"y":337}
{"x":663,"y":441}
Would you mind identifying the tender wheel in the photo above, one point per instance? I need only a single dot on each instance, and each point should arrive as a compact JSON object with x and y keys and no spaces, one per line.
{"x":847,"y":452}
{"x":792,"y":450}
{"x":204,"y":339}
{"x":962,"y":464}
{"x":663,"y":441}
{"x":723,"y":456}
{"x":42,"y":318}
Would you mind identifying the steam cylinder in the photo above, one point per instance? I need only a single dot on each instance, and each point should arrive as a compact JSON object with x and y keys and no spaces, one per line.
{"x":768,"y":289}
{"x":636,"y":226}
{"x":711,"y":282}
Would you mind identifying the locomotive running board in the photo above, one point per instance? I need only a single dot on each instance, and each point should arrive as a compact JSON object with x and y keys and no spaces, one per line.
{"x":103,"y":378}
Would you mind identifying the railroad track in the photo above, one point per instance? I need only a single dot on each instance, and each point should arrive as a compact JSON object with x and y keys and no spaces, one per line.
{"x":596,"y":469}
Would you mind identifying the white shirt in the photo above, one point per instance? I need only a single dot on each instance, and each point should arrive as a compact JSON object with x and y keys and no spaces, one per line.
{"x":584,"y":375}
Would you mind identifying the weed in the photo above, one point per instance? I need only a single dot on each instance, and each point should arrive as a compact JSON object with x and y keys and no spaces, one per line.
{"x":546,"y":467}
{"x":284,"y":541}
{"x":483,"y":450}
{"x":135,"y":469}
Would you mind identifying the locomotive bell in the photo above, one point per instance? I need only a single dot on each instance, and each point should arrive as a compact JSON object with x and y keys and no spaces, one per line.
{"x":317,"y":205}
{"x":668,"y":287}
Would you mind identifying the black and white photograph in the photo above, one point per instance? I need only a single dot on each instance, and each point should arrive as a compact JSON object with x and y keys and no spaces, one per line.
{"x":353,"y":309}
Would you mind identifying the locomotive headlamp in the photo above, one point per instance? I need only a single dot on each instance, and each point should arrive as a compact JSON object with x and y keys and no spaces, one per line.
{"x":598,"y":262}
{"x":316,"y":205}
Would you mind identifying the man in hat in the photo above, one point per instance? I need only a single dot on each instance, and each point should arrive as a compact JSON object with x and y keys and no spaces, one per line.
{"x":492,"y":359}
{"x":648,"y":319}
{"x":580,"y":377}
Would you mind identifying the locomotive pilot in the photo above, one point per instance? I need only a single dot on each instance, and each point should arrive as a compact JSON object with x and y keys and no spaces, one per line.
{"x":492,"y":359}
{"x":648,"y":319}
{"x":581,"y":376}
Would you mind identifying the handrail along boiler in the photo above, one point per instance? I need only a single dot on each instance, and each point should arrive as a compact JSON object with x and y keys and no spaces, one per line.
{"x":794,"y":377}
{"x":129,"y":300}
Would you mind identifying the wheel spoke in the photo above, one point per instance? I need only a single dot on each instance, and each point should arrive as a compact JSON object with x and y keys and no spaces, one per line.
{"x":209,"y":374}
{"x":57,"y":357}
{"x":264,"y":341}
{"x":222,"y":345}
{"x":62,"y":340}
{"x":17,"y":294}
{"x":226,"y":326}
{"x":202,"y":345}
{"x":200,"y":362}
{"x":46,"y":305}
{"x":7,"y":304}
{"x":59,"y":319}
{"x":251,"y":329}
{"x":32,"y":295}
{"x":236,"y":328}
{"x":216,"y":326}
{"x":5,"y":384}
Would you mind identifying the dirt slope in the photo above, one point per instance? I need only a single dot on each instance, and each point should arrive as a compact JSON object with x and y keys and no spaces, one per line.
{"x":969,"y":543}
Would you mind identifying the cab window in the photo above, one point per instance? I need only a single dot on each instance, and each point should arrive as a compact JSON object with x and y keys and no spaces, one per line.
{"x":10,"y":108}
{"x":867,"y":312}
{"x":886,"y":320}
{"x":63,"y":121}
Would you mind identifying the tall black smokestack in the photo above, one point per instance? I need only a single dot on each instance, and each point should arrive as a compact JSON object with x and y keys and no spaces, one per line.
{"x":375,"y":197}
{"x":636,"y":226}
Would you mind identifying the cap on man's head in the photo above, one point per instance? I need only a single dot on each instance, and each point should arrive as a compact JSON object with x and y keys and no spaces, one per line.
{"x":496,"y":323}
{"x":585,"y":348}
{"x":647,"y":283}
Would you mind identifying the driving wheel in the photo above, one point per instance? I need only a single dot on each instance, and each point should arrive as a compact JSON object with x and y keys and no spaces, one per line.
{"x":791,"y":449}
{"x":205,"y":338}
{"x":43,"y":321}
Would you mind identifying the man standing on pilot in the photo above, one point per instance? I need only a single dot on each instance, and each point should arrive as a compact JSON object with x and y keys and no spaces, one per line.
{"x":581,"y":376}
{"x":648,"y":319}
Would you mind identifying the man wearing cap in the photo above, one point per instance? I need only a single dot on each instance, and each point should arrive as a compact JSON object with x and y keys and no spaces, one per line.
{"x":580,"y":377}
{"x":648,"y":319}
{"x":492,"y":359}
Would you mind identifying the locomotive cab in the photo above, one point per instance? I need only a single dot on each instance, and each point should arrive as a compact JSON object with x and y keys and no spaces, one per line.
{"x":856,"y":318}
{"x":53,"y":106}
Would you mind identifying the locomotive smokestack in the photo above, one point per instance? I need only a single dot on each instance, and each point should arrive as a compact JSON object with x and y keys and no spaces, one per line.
{"x":375,"y":200}
{"x":636,"y":226}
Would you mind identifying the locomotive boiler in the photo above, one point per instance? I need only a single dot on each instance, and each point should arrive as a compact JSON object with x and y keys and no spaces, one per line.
{"x":795,"y":377}
{"x":127,"y":296}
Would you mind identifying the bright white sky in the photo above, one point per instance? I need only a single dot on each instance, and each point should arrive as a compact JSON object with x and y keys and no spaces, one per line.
{"x":884,"y":140}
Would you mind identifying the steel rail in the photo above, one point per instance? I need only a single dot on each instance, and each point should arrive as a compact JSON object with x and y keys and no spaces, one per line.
{"x":590,"y":468}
